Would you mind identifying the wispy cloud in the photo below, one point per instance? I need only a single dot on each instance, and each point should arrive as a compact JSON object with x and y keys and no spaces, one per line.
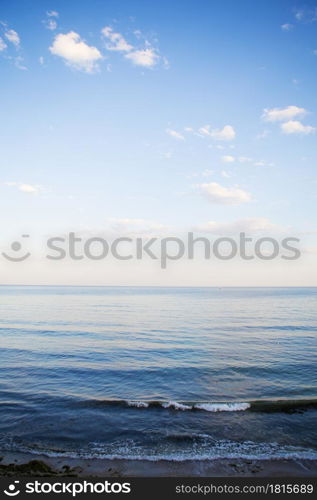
{"x":146,"y":56}
{"x":51,"y":20}
{"x":287,"y":27}
{"x":117,"y":41}
{"x":175,"y":134}
{"x":3,"y":45}
{"x":10,"y":46}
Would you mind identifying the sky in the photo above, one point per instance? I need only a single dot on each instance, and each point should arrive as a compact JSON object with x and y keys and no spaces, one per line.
{"x":158,"y":118}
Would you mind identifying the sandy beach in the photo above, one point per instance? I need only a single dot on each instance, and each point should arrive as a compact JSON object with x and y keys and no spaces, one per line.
{"x":13,"y":464}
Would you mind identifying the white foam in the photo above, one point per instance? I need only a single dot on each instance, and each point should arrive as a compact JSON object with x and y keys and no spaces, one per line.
{"x":260,"y":452}
{"x":176,"y":406}
{"x":208,"y":449}
{"x":138,"y":404}
{"x":215,"y":407}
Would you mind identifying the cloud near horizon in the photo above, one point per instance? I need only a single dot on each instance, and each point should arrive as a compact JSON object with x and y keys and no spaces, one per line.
{"x":227,"y":159}
{"x":25,"y":188}
{"x":249,"y":225}
{"x":215,"y":193}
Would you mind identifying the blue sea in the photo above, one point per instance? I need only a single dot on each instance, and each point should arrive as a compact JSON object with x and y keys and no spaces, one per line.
{"x":159,"y":373}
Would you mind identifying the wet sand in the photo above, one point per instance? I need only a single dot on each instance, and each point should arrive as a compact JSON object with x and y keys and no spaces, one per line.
{"x":14,"y":464}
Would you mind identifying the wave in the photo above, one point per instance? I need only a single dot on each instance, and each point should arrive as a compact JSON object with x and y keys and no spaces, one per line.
{"x":263,"y":406}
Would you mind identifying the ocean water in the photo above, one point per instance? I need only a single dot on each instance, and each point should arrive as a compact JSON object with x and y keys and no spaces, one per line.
{"x":154,"y":373}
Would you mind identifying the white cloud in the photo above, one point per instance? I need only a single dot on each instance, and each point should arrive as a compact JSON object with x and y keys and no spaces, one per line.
{"x":25,"y":188}
{"x":75,"y":52}
{"x":3,"y":45}
{"x":146,"y":57}
{"x":227,"y":133}
{"x":296,"y":127}
{"x":216,"y":193}
{"x":228,"y":159}
{"x":175,"y":134}
{"x":118,"y":42}
{"x":41,"y":60}
{"x":250,"y":225}
{"x":283,"y":114}
{"x":28,"y":188}
{"x":287,"y":27}
{"x":13,"y":37}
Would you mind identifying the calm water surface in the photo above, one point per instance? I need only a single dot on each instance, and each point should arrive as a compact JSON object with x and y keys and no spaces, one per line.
{"x":159,"y":372}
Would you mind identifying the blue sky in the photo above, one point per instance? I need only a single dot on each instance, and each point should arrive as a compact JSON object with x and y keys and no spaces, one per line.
{"x":168,"y":115}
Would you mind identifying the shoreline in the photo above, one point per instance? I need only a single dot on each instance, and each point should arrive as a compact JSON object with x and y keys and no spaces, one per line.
{"x":25,"y":464}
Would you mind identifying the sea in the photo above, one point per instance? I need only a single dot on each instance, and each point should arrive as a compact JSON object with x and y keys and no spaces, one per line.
{"x":150,"y":373}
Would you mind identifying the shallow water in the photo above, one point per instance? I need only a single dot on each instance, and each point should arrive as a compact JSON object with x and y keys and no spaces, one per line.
{"x":97,"y":371}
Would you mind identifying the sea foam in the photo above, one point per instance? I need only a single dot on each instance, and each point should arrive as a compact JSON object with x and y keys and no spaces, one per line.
{"x":215,"y":407}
